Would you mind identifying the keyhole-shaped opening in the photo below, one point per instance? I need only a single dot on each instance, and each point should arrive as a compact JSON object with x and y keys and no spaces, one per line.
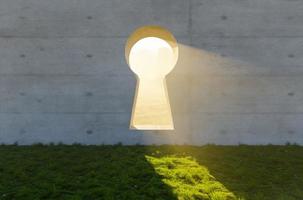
{"x":151,"y":56}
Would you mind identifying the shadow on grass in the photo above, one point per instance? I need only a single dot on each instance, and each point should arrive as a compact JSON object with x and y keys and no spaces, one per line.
{"x":79,"y":172}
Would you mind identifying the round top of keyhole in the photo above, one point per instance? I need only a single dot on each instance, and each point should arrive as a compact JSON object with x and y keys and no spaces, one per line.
{"x":151,"y":52}
{"x":151,"y":57}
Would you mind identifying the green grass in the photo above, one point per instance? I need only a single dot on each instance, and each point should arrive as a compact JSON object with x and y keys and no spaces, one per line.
{"x":151,"y":172}
{"x":188,"y":179}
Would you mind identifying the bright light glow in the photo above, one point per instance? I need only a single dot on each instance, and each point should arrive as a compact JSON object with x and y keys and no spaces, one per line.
{"x":151,"y":58}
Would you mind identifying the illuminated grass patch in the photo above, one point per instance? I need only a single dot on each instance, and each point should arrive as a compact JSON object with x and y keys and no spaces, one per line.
{"x":188,"y":179}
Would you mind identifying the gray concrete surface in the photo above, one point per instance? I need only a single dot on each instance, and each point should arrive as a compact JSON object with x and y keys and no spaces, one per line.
{"x":239,"y":78}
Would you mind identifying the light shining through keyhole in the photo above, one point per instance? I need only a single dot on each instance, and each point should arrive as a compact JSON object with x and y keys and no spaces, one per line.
{"x":151,"y":57}
{"x":151,"y":52}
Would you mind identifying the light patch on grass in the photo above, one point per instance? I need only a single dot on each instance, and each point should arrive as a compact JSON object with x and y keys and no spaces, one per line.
{"x":188,"y":179}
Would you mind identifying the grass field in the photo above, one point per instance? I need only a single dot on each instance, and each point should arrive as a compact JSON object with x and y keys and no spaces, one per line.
{"x":151,"y":172}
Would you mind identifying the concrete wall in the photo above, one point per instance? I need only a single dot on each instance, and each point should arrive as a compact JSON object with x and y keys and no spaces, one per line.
{"x":63,"y":77}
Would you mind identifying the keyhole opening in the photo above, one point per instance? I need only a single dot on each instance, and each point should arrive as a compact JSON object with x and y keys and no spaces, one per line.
{"x":151,"y":53}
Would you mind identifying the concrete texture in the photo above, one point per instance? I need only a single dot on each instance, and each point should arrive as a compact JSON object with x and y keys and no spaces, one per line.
{"x":239,"y":78}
